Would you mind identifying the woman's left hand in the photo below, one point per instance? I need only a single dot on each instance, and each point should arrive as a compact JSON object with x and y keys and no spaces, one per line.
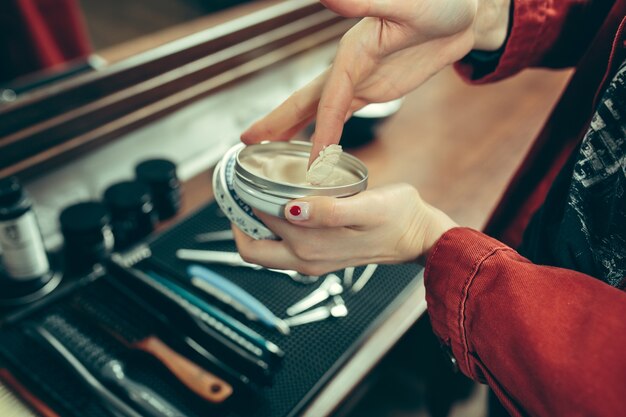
{"x":323,"y":234}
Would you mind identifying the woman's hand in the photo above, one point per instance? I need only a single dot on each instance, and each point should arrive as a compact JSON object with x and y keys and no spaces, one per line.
{"x":396,"y":48}
{"x":322,"y":234}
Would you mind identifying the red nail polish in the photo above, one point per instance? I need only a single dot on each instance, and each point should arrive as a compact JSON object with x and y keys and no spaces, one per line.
{"x":295,"y":210}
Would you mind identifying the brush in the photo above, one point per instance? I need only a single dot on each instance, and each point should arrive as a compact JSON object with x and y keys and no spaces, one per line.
{"x":82,"y":351}
{"x":134,"y":335}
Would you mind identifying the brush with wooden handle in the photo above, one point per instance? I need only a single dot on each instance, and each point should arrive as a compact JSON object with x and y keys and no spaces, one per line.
{"x":205,"y":384}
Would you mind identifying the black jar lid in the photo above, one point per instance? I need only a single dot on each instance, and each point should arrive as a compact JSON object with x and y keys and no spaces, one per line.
{"x":10,"y":191}
{"x":156,"y":171}
{"x":85,"y":217}
{"x":127,"y":195}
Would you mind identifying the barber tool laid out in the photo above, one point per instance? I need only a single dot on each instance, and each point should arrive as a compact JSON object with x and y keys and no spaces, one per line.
{"x":262,"y":347}
{"x":235,"y":296}
{"x":217,"y":236}
{"x":331,"y":286}
{"x":234,"y":259}
{"x":348,"y":275}
{"x":127,"y":316}
{"x":103,"y":373}
{"x":238,"y":345}
{"x":336,"y":308}
{"x":364,"y":278}
{"x":137,"y":336}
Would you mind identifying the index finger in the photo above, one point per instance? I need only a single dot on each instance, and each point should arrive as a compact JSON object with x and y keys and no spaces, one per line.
{"x":335,"y":103}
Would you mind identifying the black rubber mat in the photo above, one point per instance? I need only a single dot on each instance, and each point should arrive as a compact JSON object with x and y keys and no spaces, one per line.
{"x":313,"y":352}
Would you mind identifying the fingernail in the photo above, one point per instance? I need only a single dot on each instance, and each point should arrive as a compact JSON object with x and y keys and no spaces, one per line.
{"x":297,"y":211}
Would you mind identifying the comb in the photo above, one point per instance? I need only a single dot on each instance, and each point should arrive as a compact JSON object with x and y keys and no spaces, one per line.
{"x":106,"y":368}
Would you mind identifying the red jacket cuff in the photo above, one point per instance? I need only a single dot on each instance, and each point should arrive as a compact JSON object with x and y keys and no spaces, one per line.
{"x":523,"y":47}
{"x":450,"y":269}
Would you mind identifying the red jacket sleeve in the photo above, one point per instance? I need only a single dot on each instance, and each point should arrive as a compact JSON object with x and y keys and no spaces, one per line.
{"x":549,"y":341}
{"x":546,"y":33}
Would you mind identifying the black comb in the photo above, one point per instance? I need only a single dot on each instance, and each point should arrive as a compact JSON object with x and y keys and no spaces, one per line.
{"x":105,"y":367}
{"x":50,"y":380}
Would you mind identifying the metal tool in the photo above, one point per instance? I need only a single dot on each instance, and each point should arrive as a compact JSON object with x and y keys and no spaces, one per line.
{"x":224,"y":324}
{"x":138,"y":336}
{"x":234,"y":259}
{"x":330,"y":287}
{"x":336,"y":308}
{"x":235,"y":296}
{"x":348,"y":273}
{"x":218,"y":236}
{"x":236,"y":343}
{"x":368,"y":272}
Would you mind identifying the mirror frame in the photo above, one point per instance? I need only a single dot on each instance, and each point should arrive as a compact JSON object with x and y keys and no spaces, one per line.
{"x":54,"y":124}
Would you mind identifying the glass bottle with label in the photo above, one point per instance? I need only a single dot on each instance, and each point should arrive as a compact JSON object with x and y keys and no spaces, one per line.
{"x":24,"y":256}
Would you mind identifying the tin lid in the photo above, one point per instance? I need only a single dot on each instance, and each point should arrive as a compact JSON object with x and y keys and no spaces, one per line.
{"x":286,"y":190}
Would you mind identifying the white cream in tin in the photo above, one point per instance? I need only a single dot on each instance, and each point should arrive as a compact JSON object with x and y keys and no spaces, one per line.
{"x":323,"y":169}
{"x":292,"y":169}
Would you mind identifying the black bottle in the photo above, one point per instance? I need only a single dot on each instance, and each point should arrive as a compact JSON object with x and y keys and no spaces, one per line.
{"x":132,"y":213}
{"x":88,"y":238}
{"x":160,"y":177}
{"x":24,"y":256}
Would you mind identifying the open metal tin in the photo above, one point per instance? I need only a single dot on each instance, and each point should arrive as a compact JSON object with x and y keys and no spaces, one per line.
{"x":238,"y":189}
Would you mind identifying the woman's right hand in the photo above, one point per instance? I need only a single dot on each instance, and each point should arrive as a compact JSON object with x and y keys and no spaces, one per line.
{"x":393,"y":50}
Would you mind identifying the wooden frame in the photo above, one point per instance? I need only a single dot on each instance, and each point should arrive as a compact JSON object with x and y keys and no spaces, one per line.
{"x":50,"y":125}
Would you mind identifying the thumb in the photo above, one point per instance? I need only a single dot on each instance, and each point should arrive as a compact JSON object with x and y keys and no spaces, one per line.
{"x":325,"y":212}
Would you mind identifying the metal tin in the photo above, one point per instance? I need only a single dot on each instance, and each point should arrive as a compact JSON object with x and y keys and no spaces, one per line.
{"x":238,"y":190}
{"x":231,"y":204}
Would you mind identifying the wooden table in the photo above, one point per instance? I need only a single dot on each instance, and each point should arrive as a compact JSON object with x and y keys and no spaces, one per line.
{"x":459,"y":145}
